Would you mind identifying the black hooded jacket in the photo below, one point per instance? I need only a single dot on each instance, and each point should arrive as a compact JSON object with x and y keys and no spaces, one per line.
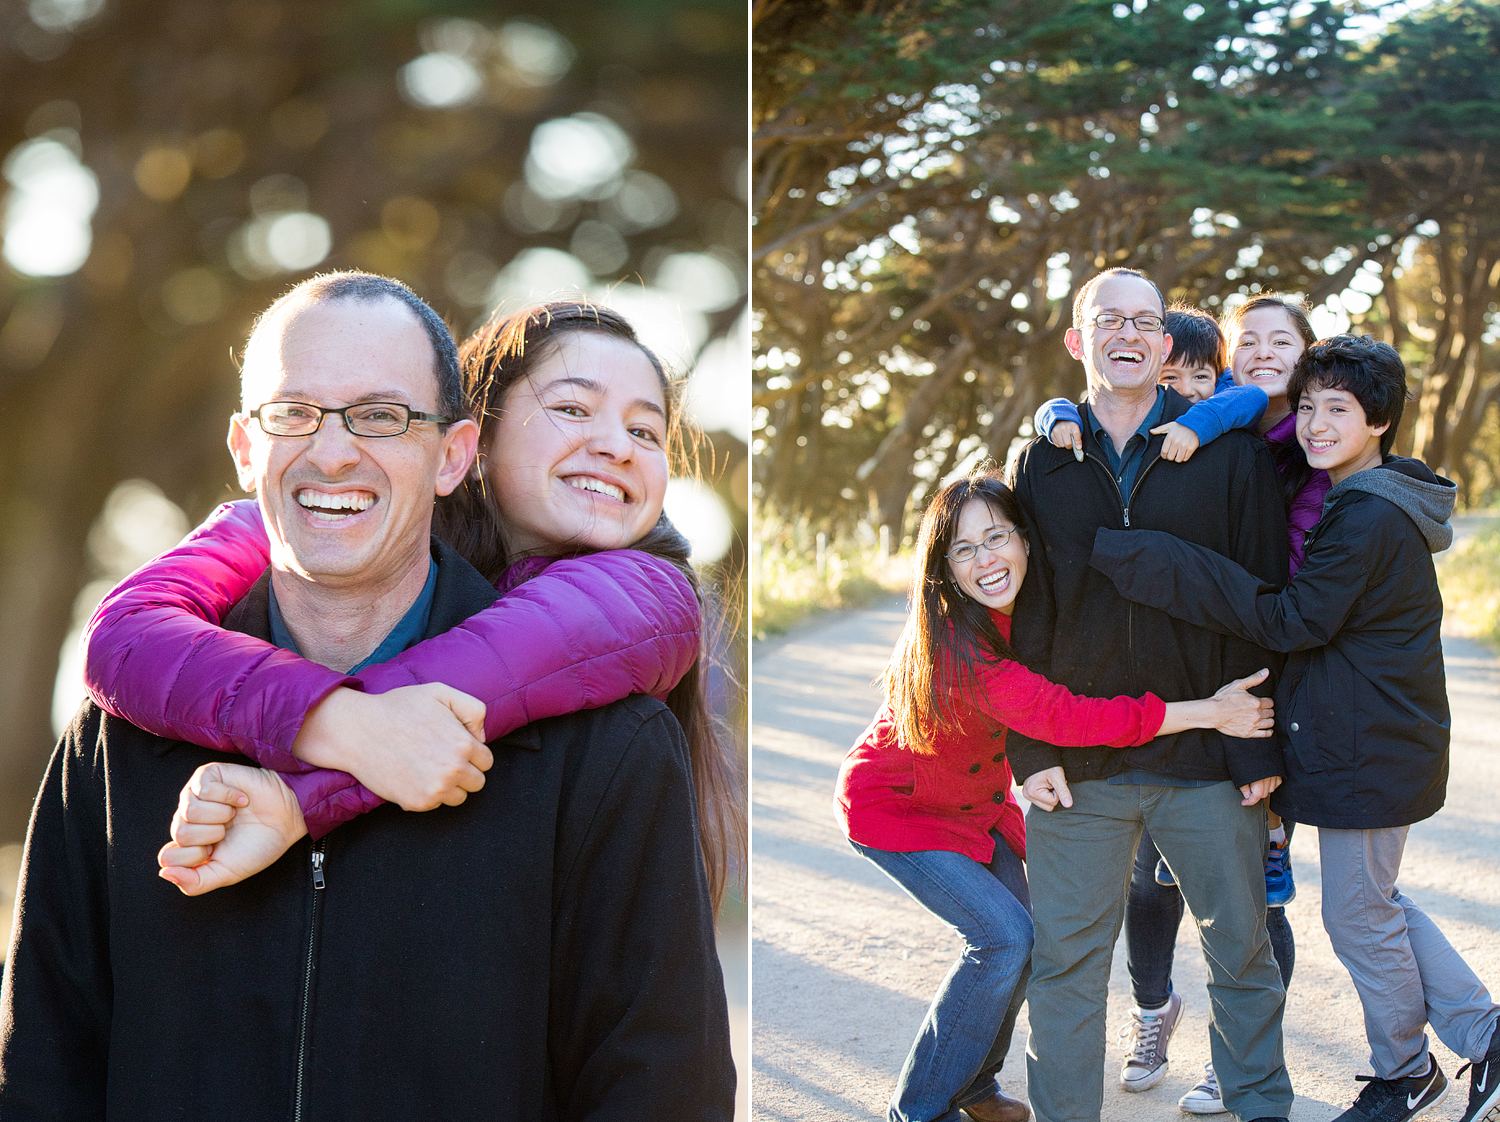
{"x":1072,"y":626}
{"x":1362,"y":704}
{"x":543,"y":951}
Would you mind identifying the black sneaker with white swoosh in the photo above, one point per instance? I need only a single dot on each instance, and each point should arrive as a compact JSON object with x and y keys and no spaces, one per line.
{"x":1397,"y":1100}
{"x":1484,"y":1085}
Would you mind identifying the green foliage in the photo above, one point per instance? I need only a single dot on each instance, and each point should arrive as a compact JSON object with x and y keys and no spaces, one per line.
{"x":927,"y":205}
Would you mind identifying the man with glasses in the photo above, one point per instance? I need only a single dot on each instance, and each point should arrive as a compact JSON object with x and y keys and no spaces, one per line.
{"x":542,"y":950}
{"x":1199,"y":792}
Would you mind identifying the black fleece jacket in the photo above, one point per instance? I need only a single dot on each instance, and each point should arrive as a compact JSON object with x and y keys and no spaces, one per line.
{"x":1363,"y":703}
{"x":543,"y":951}
{"x":1072,"y":626}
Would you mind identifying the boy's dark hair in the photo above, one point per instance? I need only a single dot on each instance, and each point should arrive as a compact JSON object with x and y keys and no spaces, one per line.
{"x":1359,"y":365}
{"x":1196,"y":339}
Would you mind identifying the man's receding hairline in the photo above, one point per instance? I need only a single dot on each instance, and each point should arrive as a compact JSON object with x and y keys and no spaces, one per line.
{"x":1139,"y":280}
{"x":1090,"y":291}
{"x":302,"y":301}
{"x":284,"y":310}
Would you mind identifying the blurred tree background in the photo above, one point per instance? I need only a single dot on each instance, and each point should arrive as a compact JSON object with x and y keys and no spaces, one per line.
{"x":933,"y":179}
{"x":173,"y":166}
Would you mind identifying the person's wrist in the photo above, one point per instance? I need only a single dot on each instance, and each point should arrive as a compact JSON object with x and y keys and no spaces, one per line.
{"x":314,"y":743}
{"x":1207,"y":712}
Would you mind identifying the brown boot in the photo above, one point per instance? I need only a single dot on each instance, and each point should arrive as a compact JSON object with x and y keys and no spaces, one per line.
{"x":999,"y":1107}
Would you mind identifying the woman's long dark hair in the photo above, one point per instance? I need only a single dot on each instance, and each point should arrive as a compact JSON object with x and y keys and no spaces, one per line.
{"x":494,"y":359}
{"x":1291,"y":462}
{"x":930,"y":680}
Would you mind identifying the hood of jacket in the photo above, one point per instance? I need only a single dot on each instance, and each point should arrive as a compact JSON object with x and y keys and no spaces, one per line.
{"x":1424,"y":496}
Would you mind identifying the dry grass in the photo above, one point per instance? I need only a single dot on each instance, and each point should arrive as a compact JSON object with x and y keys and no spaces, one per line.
{"x":1470,"y":579}
{"x":788,"y":586}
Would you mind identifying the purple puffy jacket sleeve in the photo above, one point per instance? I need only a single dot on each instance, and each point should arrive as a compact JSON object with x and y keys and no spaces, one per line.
{"x":584,"y":632}
{"x":154,"y":655}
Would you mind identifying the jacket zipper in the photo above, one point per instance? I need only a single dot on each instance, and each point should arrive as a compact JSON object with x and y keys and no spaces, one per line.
{"x":319,"y":883}
{"x":1136,"y":486}
{"x":1125,"y":512}
{"x":1140,"y":475}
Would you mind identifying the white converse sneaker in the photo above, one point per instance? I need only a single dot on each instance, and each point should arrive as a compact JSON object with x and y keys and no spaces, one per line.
{"x":1204,"y":1098}
{"x":1145,"y":1038}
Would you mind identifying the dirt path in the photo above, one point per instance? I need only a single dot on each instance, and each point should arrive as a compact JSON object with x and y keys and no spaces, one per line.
{"x":844,"y":963}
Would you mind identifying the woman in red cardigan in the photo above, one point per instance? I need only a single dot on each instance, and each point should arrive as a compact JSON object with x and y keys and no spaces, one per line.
{"x":926,"y":793}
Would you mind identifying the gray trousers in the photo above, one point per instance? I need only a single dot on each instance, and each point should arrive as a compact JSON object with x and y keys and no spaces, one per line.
{"x":1078,"y":863}
{"x":1406,"y":973}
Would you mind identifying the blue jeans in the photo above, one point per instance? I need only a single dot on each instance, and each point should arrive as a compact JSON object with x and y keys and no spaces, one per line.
{"x":967,"y":1031}
{"x":1153,"y":913}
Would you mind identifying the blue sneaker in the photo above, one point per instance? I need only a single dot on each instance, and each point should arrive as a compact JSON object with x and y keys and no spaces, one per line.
{"x":1281,"y":889}
{"x":1163,"y":874}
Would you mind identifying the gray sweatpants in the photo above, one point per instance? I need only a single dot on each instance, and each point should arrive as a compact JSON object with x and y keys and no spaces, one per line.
{"x":1405,"y":971}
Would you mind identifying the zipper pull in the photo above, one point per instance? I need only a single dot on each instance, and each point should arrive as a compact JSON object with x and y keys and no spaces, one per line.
{"x":317,"y":859}
{"x":1127,"y":518}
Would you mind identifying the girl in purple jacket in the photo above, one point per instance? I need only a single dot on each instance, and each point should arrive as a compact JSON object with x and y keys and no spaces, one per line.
{"x":578,"y":420}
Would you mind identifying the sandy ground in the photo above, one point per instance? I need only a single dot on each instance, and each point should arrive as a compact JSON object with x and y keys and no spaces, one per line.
{"x":844,"y":963}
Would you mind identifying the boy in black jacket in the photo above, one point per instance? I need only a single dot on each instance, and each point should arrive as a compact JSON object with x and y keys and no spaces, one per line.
{"x":1364,"y":705}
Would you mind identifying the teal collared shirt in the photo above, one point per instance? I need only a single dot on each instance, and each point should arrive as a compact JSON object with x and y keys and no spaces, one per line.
{"x":408,"y":630}
{"x":1126,"y":465}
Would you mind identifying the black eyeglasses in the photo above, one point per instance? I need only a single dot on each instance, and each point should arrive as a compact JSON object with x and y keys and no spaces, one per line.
{"x":1111,"y":322}
{"x":368,"y":418}
{"x":994,"y":543}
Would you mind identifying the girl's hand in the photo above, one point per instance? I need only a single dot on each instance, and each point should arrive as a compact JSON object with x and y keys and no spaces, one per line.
{"x":1180,"y":444}
{"x":419,"y":747}
{"x":1046,"y":789}
{"x":232,"y":821}
{"x":1241,"y":714}
{"x":1067,"y":434}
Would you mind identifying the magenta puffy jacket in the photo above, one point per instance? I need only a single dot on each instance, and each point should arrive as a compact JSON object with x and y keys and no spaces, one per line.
{"x":581,"y":633}
{"x":1307,"y":507}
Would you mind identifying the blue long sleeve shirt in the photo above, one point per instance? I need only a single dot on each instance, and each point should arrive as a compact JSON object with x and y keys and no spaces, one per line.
{"x":1231,"y":407}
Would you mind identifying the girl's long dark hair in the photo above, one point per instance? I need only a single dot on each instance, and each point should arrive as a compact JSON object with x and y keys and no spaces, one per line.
{"x":1291,"y":462}
{"x":930,"y":680}
{"x":494,"y":359}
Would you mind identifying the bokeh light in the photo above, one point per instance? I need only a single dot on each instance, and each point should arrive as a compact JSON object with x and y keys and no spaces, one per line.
{"x":537,"y":274}
{"x":279,"y":243}
{"x":700,"y":281}
{"x":538,"y":56}
{"x":62,"y":15}
{"x":441,"y":80}
{"x":642,"y":202}
{"x":574,"y":157}
{"x":52,"y":200}
{"x":697,"y":512}
{"x":136,"y":524}
{"x":718,"y":394}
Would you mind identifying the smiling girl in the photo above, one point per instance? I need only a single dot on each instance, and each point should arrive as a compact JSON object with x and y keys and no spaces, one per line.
{"x":926,"y":793}
{"x":576,"y":421}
